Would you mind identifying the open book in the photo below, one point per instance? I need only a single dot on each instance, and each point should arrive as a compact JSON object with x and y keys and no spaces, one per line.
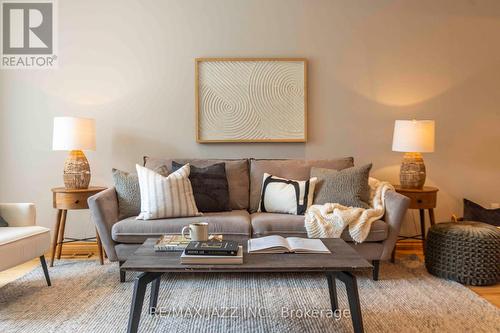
{"x":278,"y":244}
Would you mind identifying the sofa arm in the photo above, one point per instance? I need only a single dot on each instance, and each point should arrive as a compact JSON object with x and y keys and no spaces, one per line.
{"x":396,"y":206}
{"x":104,"y":213}
{"x":18,"y":214}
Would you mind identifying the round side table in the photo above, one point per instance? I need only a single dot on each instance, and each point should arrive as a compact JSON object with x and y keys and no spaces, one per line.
{"x":421,"y":199}
{"x":64,"y":199}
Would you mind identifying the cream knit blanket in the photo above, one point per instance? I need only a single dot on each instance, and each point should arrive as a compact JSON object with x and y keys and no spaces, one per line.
{"x":330,"y":220}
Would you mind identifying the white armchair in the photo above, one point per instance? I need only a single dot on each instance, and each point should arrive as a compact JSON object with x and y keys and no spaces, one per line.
{"x":22,"y":240}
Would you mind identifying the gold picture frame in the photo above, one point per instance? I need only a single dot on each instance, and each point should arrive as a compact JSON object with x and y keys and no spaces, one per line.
{"x":222,"y":120}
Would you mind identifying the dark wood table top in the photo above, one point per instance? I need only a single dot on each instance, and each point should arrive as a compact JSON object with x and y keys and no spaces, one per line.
{"x":342,"y":258}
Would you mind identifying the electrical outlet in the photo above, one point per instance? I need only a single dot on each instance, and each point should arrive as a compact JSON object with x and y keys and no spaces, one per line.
{"x":494,"y":205}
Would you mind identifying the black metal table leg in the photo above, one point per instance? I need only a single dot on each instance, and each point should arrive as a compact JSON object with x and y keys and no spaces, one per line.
{"x":332,"y":288}
{"x":140,"y":285}
{"x":376,"y":269}
{"x":153,"y":299}
{"x":353,"y":296}
{"x":45,"y":270}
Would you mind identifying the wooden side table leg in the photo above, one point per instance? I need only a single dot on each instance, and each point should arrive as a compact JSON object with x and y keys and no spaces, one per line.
{"x":61,"y":233}
{"x":55,"y":237}
{"x":431,"y":216}
{"x":99,"y":247}
{"x":422,"y":225}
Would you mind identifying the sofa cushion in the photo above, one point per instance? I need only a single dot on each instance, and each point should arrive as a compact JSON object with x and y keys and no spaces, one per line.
{"x":291,"y":169}
{"x":14,"y":234}
{"x":130,"y":230}
{"x":236,"y":171}
{"x":265,"y":224}
{"x":20,"y":244}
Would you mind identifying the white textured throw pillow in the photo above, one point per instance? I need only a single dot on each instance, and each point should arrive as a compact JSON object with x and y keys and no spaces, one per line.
{"x":163,"y":197}
{"x":287,"y":196}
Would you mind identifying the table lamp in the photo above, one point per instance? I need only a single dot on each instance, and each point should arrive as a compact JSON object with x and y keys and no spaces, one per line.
{"x":74,"y":134}
{"x":413,"y":137}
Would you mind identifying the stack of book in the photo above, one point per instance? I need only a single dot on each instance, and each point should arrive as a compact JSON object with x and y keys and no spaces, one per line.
{"x":177,"y":243}
{"x":171,"y":243}
{"x":212,"y":253}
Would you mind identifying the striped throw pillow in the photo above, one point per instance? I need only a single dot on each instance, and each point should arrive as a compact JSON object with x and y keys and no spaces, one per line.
{"x":164,"y":197}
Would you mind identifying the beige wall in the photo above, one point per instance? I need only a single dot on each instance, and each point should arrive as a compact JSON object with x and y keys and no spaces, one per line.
{"x":129,"y":65}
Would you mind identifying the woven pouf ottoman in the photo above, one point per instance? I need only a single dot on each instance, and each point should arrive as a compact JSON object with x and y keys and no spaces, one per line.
{"x":467,"y":252}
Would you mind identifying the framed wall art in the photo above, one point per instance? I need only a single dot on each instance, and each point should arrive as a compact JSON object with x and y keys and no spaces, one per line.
{"x":251,"y":100}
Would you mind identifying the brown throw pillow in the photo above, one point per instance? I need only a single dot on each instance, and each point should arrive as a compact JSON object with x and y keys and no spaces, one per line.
{"x":210,"y":187}
{"x":475,"y":212}
{"x":348,"y":187}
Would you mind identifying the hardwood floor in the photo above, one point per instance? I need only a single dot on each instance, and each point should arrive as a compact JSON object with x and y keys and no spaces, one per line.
{"x":80,"y":251}
{"x":18,"y":271}
{"x":86,"y":251}
{"x":490,"y":293}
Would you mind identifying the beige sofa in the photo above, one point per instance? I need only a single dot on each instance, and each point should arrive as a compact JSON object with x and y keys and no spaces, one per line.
{"x":22,"y":240}
{"x":122,"y":238}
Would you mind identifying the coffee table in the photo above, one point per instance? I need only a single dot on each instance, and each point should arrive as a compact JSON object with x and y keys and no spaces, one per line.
{"x":340,"y":264}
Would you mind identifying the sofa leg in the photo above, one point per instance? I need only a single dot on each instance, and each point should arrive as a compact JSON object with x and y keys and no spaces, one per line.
{"x":122,"y":273}
{"x":45,"y":270}
{"x":376,"y":266}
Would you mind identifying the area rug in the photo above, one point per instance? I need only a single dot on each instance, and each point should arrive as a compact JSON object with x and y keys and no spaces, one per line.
{"x":87,"y":297}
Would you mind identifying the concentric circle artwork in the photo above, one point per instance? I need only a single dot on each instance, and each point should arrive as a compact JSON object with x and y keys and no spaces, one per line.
{"x":251,"y":100}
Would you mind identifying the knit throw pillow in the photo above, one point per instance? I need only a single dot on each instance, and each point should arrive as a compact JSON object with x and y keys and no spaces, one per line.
{"x":348,"y":187}
{"x":286,"y":196}
{"x":128,"y":193}
{"x":164,"y":197}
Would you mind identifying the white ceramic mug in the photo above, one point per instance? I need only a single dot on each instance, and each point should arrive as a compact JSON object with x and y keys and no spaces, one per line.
{"x":197,"y":231}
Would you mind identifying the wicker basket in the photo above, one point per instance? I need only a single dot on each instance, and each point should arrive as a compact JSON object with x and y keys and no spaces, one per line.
{"x":467,"y":252}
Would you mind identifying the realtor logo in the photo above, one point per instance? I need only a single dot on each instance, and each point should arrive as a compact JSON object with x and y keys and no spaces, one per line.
{"x":28,"y":34}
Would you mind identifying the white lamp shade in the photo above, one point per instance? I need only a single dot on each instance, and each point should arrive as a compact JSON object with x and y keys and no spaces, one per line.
{"x":413,"y":136}
{"x":71,"y":133}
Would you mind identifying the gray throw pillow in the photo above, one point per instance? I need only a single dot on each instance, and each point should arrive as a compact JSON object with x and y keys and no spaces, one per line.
{"x":348,"y":187}
{"x":128,"y":191}
{"x":3,"y":223}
